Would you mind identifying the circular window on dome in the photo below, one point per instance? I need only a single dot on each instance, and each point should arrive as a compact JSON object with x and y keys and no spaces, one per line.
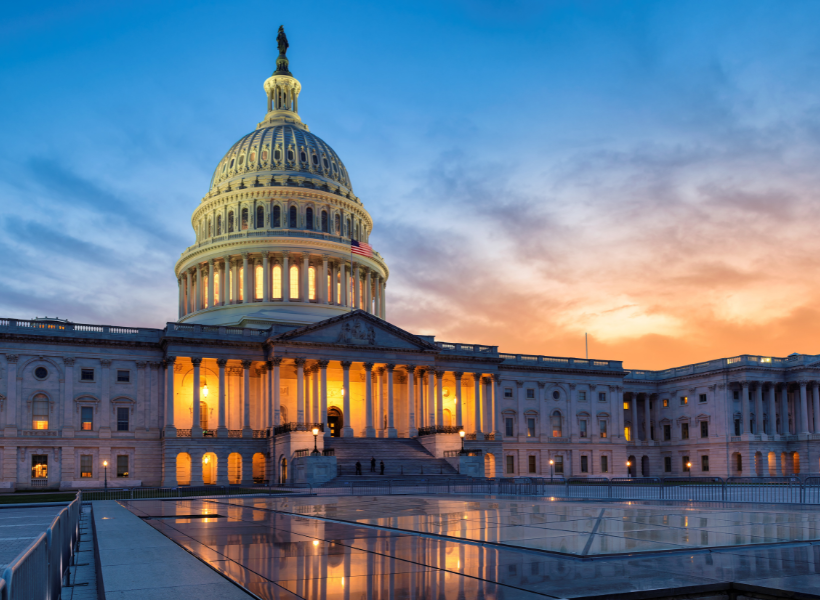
{"x":41,"y":372}
{"x":556,"y":394}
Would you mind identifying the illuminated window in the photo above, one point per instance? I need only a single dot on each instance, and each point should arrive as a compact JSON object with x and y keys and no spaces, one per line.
{"x":252,"y":157}
{"x":685,"y":460}
{"x":259,"y":282}
{"x":39,"y":412}
{"x":626,"y":404}
{"x":309,"y":218}
{"x":265,"y":154}
{"x":361,"y":294}
{"x":557,"y":427}
{"x":87,"y":418}
{"x":338,"y":287}
{"x":241,"y":271}
{"x":329,"y":286}
{"x":216,"y":286}
{"x":292,"y":218}
{"x":294,"y":282}
{"x":260,"y":217}
{"x":277,"y":282}
{"x":122,"y":465}
{"x":666,"y":402}
{"x":39,"y":466}
{"x":530,"y":427}
{"x":312,"y":283}
{"x":230,"y":222}
{"x":244,"y":219}
{"x":205,"y":291}
{"x":627,"y":433}
{"x":277,"y":216}
{"x":85,"y":465}
{"x":684,"y":400}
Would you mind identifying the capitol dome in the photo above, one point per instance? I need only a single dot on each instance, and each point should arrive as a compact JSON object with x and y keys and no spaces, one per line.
{"x":283,"y":150}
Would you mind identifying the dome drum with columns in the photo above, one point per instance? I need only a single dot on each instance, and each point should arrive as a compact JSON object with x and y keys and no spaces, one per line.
{"x":274,"y":232}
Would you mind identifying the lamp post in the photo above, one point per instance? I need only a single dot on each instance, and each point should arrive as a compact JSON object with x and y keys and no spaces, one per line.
{"x":461,"y":435}
{"x":629,"y":469}
{"x":689,"y":468}
{"x":105,"y":466}
{"x":315,"y":433}
{"x":552,"y":465}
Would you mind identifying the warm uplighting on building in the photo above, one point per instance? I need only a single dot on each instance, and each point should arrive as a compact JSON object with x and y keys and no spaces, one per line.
{"x":294,"y":282}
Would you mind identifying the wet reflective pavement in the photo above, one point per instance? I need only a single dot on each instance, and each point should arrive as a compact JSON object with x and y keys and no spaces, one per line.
{"x":451,"y":547}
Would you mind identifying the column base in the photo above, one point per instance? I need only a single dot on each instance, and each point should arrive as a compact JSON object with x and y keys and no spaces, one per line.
{"x":413,"y":432}
{"x":170,"y":431}
{"x":391,"y":432}
{"x":196,"y":433}
{"x":247,"y":432}
{"x":221,"y":432}
{"x":369,"y":432}
{"x":479,"y":435}
{"x":347,"y":432}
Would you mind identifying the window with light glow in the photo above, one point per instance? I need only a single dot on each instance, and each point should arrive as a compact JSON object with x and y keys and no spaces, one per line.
{"x":294,"y":282}
{"x":39,"y":412}
{"x":87,"y":418}
{"x":338,"y":287}
{"x":230,"y":283}
{"x":277,"y":282}
{"x":122,"y":465}
{"x":259,"y":282}
{"x":241,"y":293}
{"x":312,"y":283}
{"x":85,"y":466}
{"x":205,"y":291}
{"x":329,"y":286}
{"x":216,"y":286}
{"x":39,"y":466}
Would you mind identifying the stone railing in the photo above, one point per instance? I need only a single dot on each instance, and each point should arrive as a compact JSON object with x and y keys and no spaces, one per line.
{"x":433,"y":429}
{"x":467,"y":348}
{"x":183,"y":433}
{"x":234,"y":433}
{"x":750,"y":360}
{"x":558,"y":361}
{"x":290,"y":427}
{"x":57,"y":327}
{"x":188,"y":329}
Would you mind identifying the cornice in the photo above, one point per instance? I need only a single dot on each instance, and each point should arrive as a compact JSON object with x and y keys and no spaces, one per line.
{"x":539,"y":369}
{"x":473,"y":359}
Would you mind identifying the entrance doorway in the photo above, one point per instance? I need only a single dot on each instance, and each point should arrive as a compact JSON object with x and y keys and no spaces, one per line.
{"x":335,"y":421}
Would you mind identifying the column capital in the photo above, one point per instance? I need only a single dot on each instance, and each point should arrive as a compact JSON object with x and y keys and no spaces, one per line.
{"x":244,"y":255}
{"x":221,"y":362}
{"x":519,"y":384}
{"x":141,"y":364}
{"x":803,"y":382}
{"x":69,"y":361}
{"x":744,"y":384}
{"x":246,"y":364}
{"x":458,"y":374}
{"x":170,"y":360}
{"x":299,"y":362}
{"x":275,"y":361}
{"x":476,"y":376}
{"x":488,"y":379}
{"x":210,"y":262}
{"x":379,"y":370}
{"x":196,"y":360}
{"x":346,"y":364}
{"x":543,"y":384}
{"x":390,"y":367}
{"x":323,"y":364}
{"x":368,"y":367}
{"x":439,"y":374}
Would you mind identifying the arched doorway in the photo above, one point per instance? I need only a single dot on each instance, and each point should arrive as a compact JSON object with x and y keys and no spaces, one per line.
{"x":183,"y":468}
{"x":259,"y":468}
{"x":489,"y":465}
{"x":796,"y":463}
{"x":772,"y":464}
{"x":335,"y":421}
{"x":632,"y":468}
{"x":209,"y":468}
{"x":234,"y":468}
{"x":283,"y":470}
{"x":645,"y":466}
{"x":448,"y":417}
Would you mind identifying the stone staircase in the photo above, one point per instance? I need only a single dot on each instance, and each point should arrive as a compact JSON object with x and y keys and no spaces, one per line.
{"x":405,"y":459}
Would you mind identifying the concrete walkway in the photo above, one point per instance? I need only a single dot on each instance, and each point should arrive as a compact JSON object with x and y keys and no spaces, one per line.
{"x":139,"y":562}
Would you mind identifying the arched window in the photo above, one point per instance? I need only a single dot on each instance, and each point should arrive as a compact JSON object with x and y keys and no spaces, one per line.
{"x":260,"y":217}
{"x":309,"y":218}
{"x":277,"y":216}
{"x":557,"y":427}
{"x":241,"y":271}
{"x":219,"y":225}
{"x":303,"y":156}
{"x":277,"y":154}
{"x":337,"y":225}
{"x":210,"y":228}
{"x":338,"y":288}
{"x":329,"y":286}
{"x":312,"y":283}
{"x":259,"y":281}
{"x":325,"y":225}
{"x":315,"y":159}
{"x":244,"y":219}
{"x":294,"y":282}
{"x":277,"y":282}
{"x":216,"y":287}
{"x":292,"y":218}
{"x":356,"y":237}
{"x":39,"y":412}
{"x":290,"y":155}
{"x":230,"y":222}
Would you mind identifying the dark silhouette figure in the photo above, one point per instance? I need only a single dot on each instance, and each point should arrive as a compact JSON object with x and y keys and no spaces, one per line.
{"x":381,"y":466}
{"x":358,"y":468}
{"x":373,"y":464}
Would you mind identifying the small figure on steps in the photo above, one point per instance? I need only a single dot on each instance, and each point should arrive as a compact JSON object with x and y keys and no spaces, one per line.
{"x":381,"y":465}
{"x":373,"y":464}
{"x":358,"y":468}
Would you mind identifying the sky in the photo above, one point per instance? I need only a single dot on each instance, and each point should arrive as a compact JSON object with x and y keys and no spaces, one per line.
{"x":643,"y":172}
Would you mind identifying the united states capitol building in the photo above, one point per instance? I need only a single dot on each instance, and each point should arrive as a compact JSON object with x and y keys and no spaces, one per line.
{"x":283,"y":328}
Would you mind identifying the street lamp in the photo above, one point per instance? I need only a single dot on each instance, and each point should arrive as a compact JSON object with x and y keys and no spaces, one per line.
{"x":552,"y":465}
{"x":689,"y":468}
{"x":461,"y":435}
{"x":105,"y":465}
{"x":629,"y":468}
{"x":315,"y":433}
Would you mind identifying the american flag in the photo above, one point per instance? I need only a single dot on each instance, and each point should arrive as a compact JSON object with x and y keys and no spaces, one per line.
{"x":361,"y":248}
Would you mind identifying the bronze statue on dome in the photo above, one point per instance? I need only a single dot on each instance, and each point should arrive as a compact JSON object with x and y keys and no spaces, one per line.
{"x":282,"y":61}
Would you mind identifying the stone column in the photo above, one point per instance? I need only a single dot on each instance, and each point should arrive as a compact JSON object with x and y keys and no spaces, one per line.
{"x":345,"y":270}
{"x":412,"y":431}
{"x":181,"y":298}
{"x":224,"y":274}
{"x":440,"y":398}
{"x":487,"y":414}
{"x":356,"y":287}
{"x":804,"y":413}
{"x":210,"y":283}
{"x":285,"y":278}
{"x":68,"y":397}
{"x":347,"y":428}
{"x":265,"y":277}
{"x":431,"y":398}
{"x":170,"y":430}
{"x":495,"y":385}
{"x":221,"y":430}
{"x":315,"y":401}
{"x":770,"y":411}
{"x":784,"y":409}
{"x":477,"y":406}
{"x":459,"y":421}
{"x":277,"y":407}
{"x":382,"y":304}
{"x":369,"y":430}
{"x":422,"y":410}
{"x":391,"y":426}
{"x":196,"y":429}
{"x":304,"y":278}
{"x":247,"y":296}
{"x":816,"y":407}
{"x":322,"y":295}
{"x":744,"y":407}
{"x":300,"y":390}
{"x":247,"y":432}
{"x":188,"y":294}
{"x":368,"y":293}
{"x":758,"y":408}
{"x":105,"y":400}
{"x":234,"y":283}
{"x":323,"y":395}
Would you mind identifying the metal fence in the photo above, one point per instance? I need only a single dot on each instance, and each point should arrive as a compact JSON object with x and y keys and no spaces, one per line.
{"x":37,"y":574}
{"x":185,"y":491}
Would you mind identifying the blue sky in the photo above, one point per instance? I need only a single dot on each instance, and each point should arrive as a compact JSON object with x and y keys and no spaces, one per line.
{"x":644,"y":171}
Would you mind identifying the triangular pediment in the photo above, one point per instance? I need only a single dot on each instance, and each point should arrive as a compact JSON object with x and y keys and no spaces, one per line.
{"x":358,"y":329}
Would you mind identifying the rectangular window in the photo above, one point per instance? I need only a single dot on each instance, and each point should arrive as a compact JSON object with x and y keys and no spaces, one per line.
{"x":559,"y":465}
{"x":584,"y":464}
{"x":667,"y":433}
{"x":704,"y":463}
{"x":628,"y":433}
{"x":277,"y":282}
{"x":508,"y":392}
{"x":122,"y":465}
{"x":85,"y":466}
{"x":736,"y":395}
{"x":685,"y":464}
{"x":666,"y":402}
{"x":601,"y":396}
{"x":604,"y":464}
{"x":122,"y":418}
{"x":241,"y":271}
{"x":703,"y":398}
{"x":704,"y":429}
{"x":508,"y":426}
{"x":626,"y":404}
{"x":86,"y":374}
{"x":582,"y":396}
{"x":684,"y":431}
{"x":530,"y":394}
{"x":531,"y":460}
{"x":510,"y":465}
{"x":87,"y":418}
{"x":530,"y":427}
{"x":258,"y":282}
{"x":39,"y":466}
{"x":684,"y":400}
{"x":312,"y":283}
{"x":667,"y":464}
{"x":216,"y":287}
{"x":737,"y":426}
{"x":602,"y":426}
{"x":123,"y":376}
{"x":583,"y":428}
{"x":294,"y":283}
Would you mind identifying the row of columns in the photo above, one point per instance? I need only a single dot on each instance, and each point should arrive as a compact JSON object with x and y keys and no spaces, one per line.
{"x":368,"y":285}
{"x":805,"y":409}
